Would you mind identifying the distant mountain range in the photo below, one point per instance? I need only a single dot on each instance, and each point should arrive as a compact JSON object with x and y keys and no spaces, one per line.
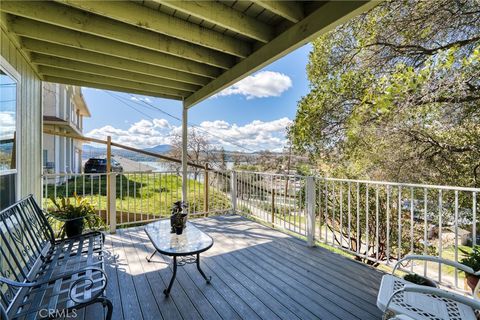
{"x":91,"y":152}
{"x":161,"y":148}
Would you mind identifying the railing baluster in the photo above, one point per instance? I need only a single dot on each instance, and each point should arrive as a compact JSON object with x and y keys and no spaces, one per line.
{"x":367,"y":227}
{"x":388,"y":226}
{"x":341,"y":215}
{"x":99,"y":196}
{"x":440,"y":213}
{"x":412,"y":201}
{"x":333,"y":214}
{"x":399,"y":249}
{"x":456,"y":236}
{"x":474,"y":219}
{"x":326,"y":211}
{"x":376,"y":223}
{"x":425,"y":227}
{"x":349,"y":215}
{"x":358,"y":219}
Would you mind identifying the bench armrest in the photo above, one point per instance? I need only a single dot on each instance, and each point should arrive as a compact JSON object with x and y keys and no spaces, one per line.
{"x":87,"y":287}
{"x":25,"y":284}
{"x":454,"y":264}
{"x":14,"y":283}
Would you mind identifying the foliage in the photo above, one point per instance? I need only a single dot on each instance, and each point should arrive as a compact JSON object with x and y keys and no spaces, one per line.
{"x":76,"y":208}
{"x":395,"y":95}
{"x":472,"y":258}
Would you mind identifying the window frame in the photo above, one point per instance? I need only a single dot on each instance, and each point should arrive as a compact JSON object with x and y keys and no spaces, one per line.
{"x":9,"y":70}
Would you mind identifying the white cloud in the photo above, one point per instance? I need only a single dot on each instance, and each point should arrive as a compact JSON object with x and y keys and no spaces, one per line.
{"x":260,"y":85}
{"x":161,"y":123}
{"x":7,"y":124}
{"x":256,"y":135}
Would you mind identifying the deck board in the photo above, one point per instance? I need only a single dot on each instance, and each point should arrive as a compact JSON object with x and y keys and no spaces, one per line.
{"x":258,"y":273}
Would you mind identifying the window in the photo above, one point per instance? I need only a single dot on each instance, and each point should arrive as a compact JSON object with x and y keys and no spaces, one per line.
{"x":8,"y":138}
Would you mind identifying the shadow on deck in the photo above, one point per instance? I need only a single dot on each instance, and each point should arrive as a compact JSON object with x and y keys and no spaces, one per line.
{"x":258,"y":273}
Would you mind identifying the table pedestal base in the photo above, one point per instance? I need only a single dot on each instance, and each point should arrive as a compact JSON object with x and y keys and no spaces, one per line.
{"x":208,"y":279}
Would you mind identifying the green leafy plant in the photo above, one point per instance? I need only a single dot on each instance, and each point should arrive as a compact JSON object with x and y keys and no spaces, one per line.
{"x":472,"y":258}
{"x":78,"y":208}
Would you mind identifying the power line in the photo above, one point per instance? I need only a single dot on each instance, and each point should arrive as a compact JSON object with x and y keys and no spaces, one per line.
{"x":194,"y":125}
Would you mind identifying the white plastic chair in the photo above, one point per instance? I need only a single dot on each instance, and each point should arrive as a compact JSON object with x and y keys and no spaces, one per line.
{"x":402,"y":298}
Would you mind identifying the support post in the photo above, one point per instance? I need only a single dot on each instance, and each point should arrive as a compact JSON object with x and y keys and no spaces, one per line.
{"x":273,"y":203}
{"x":205,"y":190}
{"x":233,"y":190}
{"x":310,"y":210}
{"x":184,"y":152}
{"x":112,"y":197}
{"x":107,"y":177}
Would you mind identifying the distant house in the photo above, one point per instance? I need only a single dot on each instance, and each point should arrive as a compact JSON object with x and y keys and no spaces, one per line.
{"x":63,"y":111}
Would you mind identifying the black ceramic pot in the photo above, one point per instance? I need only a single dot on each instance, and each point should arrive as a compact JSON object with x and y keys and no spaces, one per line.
{"x":74,"y":227}
{"x":178,"y":230}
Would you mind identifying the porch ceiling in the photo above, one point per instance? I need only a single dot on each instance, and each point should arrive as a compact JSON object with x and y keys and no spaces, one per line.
{"x":182,"y":50}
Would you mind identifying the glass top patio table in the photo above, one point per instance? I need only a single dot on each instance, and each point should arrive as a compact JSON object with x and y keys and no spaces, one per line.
{"x":191,"y":241}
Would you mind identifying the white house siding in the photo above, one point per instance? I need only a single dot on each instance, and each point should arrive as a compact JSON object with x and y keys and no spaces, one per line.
{"x":29,"y":128}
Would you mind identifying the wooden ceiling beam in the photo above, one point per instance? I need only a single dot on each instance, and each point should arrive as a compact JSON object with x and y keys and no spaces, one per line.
{"x":105,"y":80}
{"x":153,"y":20}
{"x":55,"y":50}
{"x":225,"y":17}
{"x":44,"y":60}
{"x":50,"y":33}
{"x":78,"y":20}
{"x":289,"y":10}
{"x":106,"y":87}
{"x":322,"y":20}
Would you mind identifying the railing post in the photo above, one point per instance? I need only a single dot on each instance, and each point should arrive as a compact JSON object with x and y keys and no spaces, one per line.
{"x":310,"y":206}
{"x":112,"y":196}
{"x":108,"y":168}
{"x":233,"y":190}
{"x":273,"y":202}
{"x":205,"y":190}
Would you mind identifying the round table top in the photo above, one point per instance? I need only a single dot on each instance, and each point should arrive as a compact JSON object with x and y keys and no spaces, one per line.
{"x":191,"y":241}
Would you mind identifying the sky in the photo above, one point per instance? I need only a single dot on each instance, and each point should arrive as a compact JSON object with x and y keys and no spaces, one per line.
{"x":251,"y":115}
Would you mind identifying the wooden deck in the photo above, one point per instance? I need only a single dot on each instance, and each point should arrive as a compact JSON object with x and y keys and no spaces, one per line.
{"x":258,"y":273}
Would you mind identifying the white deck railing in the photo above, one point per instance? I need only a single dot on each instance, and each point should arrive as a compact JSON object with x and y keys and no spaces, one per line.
{"x":376,"y":221}
{"x":140,"y":197}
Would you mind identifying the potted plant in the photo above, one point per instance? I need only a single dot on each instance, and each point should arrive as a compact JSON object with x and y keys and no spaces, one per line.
{"x":472,"y":260}
{"x":415,"y":278}
{"x":75,"y":214}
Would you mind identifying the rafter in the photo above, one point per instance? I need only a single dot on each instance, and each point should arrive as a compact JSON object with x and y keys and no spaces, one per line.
{"x":56,"y":50}
{"x":143,"y":17}
{"x":320,"y":21}
{"x":44,"y":60}
{"x":290,"y":10}
{"x":78,"y":20}
{"x":106,"y":87}
{"x":45,"y":32}
{"x":93,"y":78}
{"x":224,"y":16}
